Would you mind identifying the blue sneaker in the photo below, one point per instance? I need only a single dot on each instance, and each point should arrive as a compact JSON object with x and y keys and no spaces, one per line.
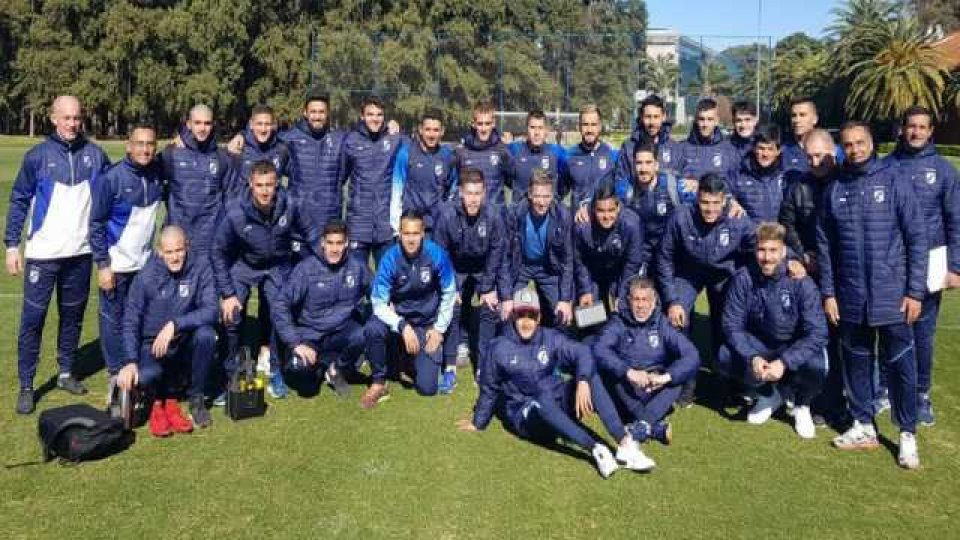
{"x":277,"y":388}
{"x":221,"y":400}
{"x":639,"y":430}
{"x":925,"y":411}
{"x":662,"y":432}
{"x":448,"y":381}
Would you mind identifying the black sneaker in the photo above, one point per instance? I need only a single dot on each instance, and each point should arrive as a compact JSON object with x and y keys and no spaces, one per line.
{"x":199,"y":413}
{"x":25,"y":401}
{"x":71,"y":384}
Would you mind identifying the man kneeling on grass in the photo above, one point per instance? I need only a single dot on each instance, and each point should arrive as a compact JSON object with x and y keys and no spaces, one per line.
{"x":167,"y":328}
{"x":522,"y":380}
{"x":644,"y":360}
{"x":775,"y":333}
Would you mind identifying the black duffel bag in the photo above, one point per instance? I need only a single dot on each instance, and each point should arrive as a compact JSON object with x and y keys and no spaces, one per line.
{"x":76,"y":433}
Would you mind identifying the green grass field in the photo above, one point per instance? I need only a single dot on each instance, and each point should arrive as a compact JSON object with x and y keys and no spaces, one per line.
{"x":322,"y":468}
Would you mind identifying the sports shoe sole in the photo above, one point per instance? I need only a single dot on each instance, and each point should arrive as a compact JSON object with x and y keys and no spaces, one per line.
{"x":857,"y":446}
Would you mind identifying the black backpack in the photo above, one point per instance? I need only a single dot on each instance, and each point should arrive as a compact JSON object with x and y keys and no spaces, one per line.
{"x":76,"y":433}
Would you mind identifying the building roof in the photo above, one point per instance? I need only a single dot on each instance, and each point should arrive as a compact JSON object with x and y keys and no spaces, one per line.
{"x":949,"y":48}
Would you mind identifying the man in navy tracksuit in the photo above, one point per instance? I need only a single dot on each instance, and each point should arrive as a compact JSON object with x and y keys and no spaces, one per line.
{"x":645,"y":361}
{"x":759,"y":184}
{"x":125,"y":204}
{"x":706,"y":150}
{"x":608,"y":250}
{"x":701,"y":248}
{"x":936,"y":183}
{"x":541,"y":235}
{"x":653,"y":194}
{"x":536,"y":154}
{"x":200,"y":177}
{"x":425,"y":173}
{"x":253,"y":247}
{"x":261,"y":143}
{"x":803,"y":120}
{"x":538,"y":380}
{"x":168,"y":328}
{"x":872,"y":255}
{"x":370,"y":154}
{"x":744,"y":128}
{"x":482,"y":149}
{"x":474,"y":235}
{"x":775,"y":333}
{"x":651,"y":129}
{"x":316,"y":170}
{"x":413,"y":294}
{"x":317,"y":314}
{"x":53,"y":190}
{"x":590,"y":164}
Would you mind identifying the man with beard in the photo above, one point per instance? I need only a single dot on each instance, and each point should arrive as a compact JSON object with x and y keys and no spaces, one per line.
{"x":424,"y":174}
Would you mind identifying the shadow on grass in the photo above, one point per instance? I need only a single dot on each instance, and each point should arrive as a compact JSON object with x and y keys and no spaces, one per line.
{"x":88,"y":361}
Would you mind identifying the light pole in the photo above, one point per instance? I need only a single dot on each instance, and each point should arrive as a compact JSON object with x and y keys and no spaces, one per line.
{"x":759,"y":32}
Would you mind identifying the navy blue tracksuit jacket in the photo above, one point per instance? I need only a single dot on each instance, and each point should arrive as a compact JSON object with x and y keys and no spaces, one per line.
{"x":589,"y":168}
{"x":668,"y":151}
{"x":608,"y":258}
{"x":261,"y":243}
{"x":700,"y":156}
{"x":491,"y":158}
{"x":316,"y":171}
{"x":274,"y":150}
{"x":935,"y":182}
{"x":476,"y":246}
{"x":319,"y":299}
{"x":871,"y":244}
{"x":653,"y":207}
{"x":524,"y":159}
{"x":654,"y":345}
{"x":774,"y":315}
{"x":200,"y":179}
{"x":759,"y":190}
{"x":700,"y":253}
{"x":423,"y":178}
{"x":418,"y":290}
{"x":158,"y":296}
{"x":515,"y":371}
{"x":559,"y":247}
{"x":369,"y":159}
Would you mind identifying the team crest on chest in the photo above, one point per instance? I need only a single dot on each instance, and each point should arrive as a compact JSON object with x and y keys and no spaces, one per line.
{"x":283,"y":220}
{"x":542,"y":356}
{"x":86,"y":160}
{"x":34,"y":274}
{"x":438,"y":169}
{"x":785,"y":299}
{"x":602,"y":163}
{"x":666,"y":156}
{"x":183,"y":289}
{"x":351,"y":281}
{"x":654,"y":340}
{"x":931,"y":176}
{"x":386,"y":145}
{"x":482,"y":229}
{"x":544,"y":162}
{"x":615,"y":241}
{"x":425,"y":274}
{"x":661,"y":208}
{"x":494,"y":159}
{"x":717,"y":160}
{"x":276,"y":162}
{"x":878,"y":195}
{"x":213,"y":167}
{"x":724,"y":238}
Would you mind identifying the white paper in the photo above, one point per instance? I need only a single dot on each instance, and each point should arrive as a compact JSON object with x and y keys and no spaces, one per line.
{"x":937,"y":269}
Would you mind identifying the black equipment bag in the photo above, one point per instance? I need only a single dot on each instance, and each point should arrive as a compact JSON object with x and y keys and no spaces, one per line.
{"x":245,"y":389}
{"x":76,"y":433}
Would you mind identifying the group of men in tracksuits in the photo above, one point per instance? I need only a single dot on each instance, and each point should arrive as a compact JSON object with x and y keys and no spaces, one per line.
{"x":807,"y":255}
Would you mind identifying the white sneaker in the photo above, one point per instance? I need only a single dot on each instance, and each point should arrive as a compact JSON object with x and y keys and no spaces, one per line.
{"x":605,"y":462}
{"x":463,"y":355}
{"x":764,"y":408}
{"x":803,"y":422}
{"x":909,"y":458}
{"x":633,"y":457}
{"x":263,"y":361}
{"x":858,"y":437}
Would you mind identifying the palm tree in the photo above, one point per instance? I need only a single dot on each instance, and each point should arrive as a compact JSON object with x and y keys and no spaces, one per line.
{"x":712,"y":80}
{"x":662,"y":75}
{"x":899,"y":69}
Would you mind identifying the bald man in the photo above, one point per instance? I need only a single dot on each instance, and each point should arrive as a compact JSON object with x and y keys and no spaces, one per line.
{"x":168,"y":330}
{"x":201,"y":179}
{"x":53,"y":191}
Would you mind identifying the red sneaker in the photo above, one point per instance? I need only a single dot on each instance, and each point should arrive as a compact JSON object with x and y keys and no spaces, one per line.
{"x":159,"y":425}
{"x":178,"y":422}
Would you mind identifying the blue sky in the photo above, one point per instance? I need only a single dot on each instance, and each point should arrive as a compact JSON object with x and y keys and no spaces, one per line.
{"x":739,"y":17}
